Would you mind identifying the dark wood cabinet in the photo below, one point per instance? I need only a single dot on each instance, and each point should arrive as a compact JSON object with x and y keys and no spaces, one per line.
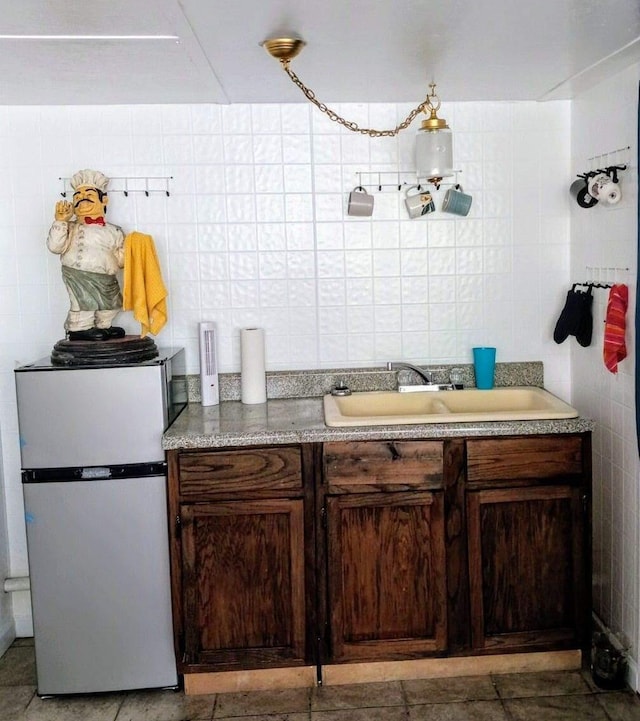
{"x":527,"y":512}
{"x":320,"y":554}
{"x":240,"y":580}
{"x":385,"y":536}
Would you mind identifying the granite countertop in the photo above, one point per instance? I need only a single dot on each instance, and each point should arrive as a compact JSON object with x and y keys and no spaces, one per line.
{"x":294,"y":412}
{"x":301,"y":420}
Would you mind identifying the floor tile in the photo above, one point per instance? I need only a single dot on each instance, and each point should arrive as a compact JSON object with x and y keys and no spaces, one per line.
{"x":18,"y":667}
{"x":14,"y":700}
{"x":257,"y":703}
{"x":360,"y":695}
{"x":98,"y":707}
{"x":556,"y":708}
{"x":459,"y":711}
{"x":438,"y":690}
{"x":620,"y":705}
{"x":387,"y":713}
{"x":544,"y":683}
{"x":166,"y":706}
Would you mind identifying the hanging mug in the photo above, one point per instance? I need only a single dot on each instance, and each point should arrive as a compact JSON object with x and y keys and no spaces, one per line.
{"x":360,"y":202}
{"x":456,"y":201}
{"x":420,"y":203}
{"x":605,"y":188}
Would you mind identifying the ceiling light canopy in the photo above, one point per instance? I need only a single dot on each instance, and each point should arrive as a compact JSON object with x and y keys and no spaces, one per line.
{"x":433,"y":153}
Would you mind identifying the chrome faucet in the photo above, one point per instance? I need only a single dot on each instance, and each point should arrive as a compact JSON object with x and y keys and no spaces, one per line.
{"x":396,"y":366}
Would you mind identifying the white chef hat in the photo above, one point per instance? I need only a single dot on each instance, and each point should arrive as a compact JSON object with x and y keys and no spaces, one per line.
{"x":91,"y":179}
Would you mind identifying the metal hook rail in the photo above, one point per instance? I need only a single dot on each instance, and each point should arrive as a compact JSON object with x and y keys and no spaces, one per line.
{"x":399,"y":176}
{"x":152,"y":184}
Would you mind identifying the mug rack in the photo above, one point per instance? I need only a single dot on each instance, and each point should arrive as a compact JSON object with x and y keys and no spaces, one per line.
{"x":399,"y":183}
{"x":149,"y":185}
{"x":609,"y":163}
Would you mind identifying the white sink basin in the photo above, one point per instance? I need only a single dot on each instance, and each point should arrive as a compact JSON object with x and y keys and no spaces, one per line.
{"x":382,"y":408}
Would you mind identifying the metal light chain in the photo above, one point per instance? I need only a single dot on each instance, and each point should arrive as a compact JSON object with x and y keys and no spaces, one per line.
{"x":350,"y":125}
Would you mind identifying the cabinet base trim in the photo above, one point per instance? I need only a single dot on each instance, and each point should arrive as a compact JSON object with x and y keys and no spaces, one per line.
{"x":341,"y":674}
{"x":254,"y":680}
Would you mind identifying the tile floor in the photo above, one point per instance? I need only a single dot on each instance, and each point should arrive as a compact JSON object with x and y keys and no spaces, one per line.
{"x":557,"y":696}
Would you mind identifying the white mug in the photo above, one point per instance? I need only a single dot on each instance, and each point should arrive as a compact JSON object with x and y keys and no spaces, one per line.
{"x":360,"y":202}
{"x":420,"y":203}
{"x":602,"y":188}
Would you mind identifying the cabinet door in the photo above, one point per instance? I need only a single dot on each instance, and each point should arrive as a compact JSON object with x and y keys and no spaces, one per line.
{"x":243,"y":584}
{"x":526,"y":567}
{"x":386,"y":573}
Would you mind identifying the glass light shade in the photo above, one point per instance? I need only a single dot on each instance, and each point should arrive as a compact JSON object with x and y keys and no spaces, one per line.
{"x":434,"y":153}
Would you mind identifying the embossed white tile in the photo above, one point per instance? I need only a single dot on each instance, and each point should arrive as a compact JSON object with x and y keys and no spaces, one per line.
{"x":185,"y":295}
{"x":496,"y":204}
{"x":387,"y":318}
{"x":302,"y":321}
{"x":214,"y":266}
{"x":442,"y":316}
{"x":239,"y":179}
{"x":178,"y":149}
{"x":302,"y":352}
{"x":330,"y":236}
{"x":387,"y":290}
{"x":355,"y":148}
{"x":273,"y":293}
{"x":301,"y":264}
{"x":183,"y":266}
{"x":413,"y":234}
{"x":326,"y":149}
{"x":297,"y":179}
{"x":416,"y":347}
{"x":176,"y":119}
{"x":469,"y":260}
{"x":333,"y":349}
{"x":267,"y":149}
{"x":387,"y":346}
{"x":415,"y":317}
{"x":237,"y":149}
{"x":467,"y":146}
{"x":469,"y":232}
{"x":268,"y":178}
{"x":243,"y":266}
{"x":272,"y":264}
{"x":300,"y":236}
{"x":331,"y":263}
{"x":360,"y":319}
{"x":328,"y":178}
{"x":496,"y":260}
{"x":269,"y":207}
{"x":360,"y":346}
{"x":206,"y":119}
{"x":386,"y":263}
{"x":358,"y":263}
{"x":299,"y":207}
{"x":442,"y":234}
{"x":236,"y":118}
{"x":182,"y":238}
{"x":443,"y":345}
{"x":181,"y":209}
{"x":302,"y":293}
{"x":385,"y":234}
{"x":215,"y":294}
{"x":296,"y":118}
{"x":387,"y":207}
{"x":469,"y":288}
{"x":245,"y":294}
{"x":359,"y":291}
{"x":241,"y":236}
{"x":414,"y":289}
{"x":414,"y":261}
{"x":296,"y":149}
{"x":211,"y":208}
{"x":208,"y":149}
{"x":468,"y":316}
{"x":332,"y":292}
{"x":265,"y":119}
{"x":209,"y":178}
{"x":332,"y":319}
{"x":329,"y":207}
{"x":442,"y":288}
{"x":212,"y":237}
{"x":275,"y":321}
{"x":241,"y":208}
{"x":497,"y":231}
{"x":271,"y":236}
{"x":357,"y":235}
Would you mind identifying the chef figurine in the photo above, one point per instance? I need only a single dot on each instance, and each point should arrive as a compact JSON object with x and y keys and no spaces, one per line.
{"x":91,"y":252}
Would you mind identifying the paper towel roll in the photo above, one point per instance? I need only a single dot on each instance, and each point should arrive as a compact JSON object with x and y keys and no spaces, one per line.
{"x":253,"y":379}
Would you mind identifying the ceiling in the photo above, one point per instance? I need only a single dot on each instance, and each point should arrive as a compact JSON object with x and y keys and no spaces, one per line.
{"x":357,"y":51}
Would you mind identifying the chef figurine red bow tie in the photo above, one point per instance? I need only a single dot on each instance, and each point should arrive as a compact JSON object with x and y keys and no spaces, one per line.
{"x":94,"y":221}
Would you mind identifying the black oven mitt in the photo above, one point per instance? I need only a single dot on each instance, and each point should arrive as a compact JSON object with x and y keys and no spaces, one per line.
{"x":575,"y":318}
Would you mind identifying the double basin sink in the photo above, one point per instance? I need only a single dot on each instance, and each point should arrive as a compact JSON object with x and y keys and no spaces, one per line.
{"x":382,"y":408}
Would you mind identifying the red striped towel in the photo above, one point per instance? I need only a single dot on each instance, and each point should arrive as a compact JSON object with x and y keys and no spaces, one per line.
{"x":615,"y":348}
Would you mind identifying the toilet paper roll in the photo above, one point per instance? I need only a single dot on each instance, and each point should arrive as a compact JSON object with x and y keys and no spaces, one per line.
{"x":253,"y":379}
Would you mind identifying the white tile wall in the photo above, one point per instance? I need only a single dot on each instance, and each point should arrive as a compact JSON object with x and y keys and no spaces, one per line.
{"x":606,"y":238}
{"x":256,"y":232}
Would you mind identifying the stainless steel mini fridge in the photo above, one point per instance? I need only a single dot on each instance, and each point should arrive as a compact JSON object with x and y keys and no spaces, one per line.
{"x":94,"y":481}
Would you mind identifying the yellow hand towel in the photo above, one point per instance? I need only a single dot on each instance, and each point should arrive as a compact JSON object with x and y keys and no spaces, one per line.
{"x":144,"y":291}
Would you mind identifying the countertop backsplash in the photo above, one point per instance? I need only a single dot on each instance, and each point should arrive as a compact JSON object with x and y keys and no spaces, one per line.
{"x":313,"y":383}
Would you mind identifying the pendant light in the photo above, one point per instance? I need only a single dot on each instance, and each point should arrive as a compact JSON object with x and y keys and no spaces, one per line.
{"x":433,"y":153}
{"x":434,"y":149}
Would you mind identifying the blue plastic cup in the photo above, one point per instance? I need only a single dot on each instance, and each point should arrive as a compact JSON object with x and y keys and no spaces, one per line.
{"x":484,"y":363}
